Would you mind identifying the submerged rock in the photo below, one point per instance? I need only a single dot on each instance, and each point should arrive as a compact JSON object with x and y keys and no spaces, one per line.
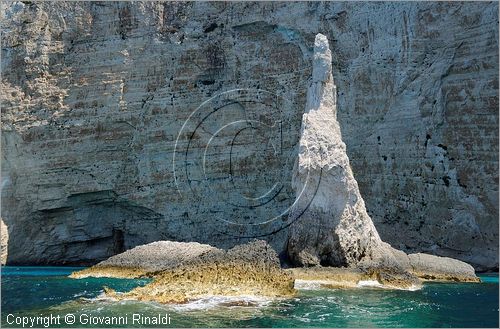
{"x":145,"y":260}
{"x":249,"y":269}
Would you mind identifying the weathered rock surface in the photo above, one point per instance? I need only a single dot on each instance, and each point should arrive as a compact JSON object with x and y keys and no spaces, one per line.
{"x":146,"y":260}
{"x":4,"y":235}
{"x":330,"y":222}
{"x":335,"y":278}
{"x":431,"y":267}
{"x":421,"y":267}
{"x":249,"y":269}
{"x":94,"y":96}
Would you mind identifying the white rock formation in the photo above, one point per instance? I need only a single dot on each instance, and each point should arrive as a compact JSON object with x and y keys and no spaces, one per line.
{"x":4,"y":242}
{"x":332,"y":226}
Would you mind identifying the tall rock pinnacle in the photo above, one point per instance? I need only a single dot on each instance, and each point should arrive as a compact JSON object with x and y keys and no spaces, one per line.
{"x":331,"y":224}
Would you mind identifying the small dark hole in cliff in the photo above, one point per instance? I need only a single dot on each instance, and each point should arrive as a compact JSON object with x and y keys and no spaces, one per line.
{"x":446,"y":180}
{"x":385,"y":157}
{"x":427,"y":137}
{"x":444,"y":147}
{"x":118,"y":241}
{"x":324,"y":262}
{"x":210,"y":28}
{"x":207,"y":82}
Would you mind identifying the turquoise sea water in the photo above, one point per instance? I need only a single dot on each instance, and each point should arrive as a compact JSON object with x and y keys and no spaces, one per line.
{"x":41,"y":291}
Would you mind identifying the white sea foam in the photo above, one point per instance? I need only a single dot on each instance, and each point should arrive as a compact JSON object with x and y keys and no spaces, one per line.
{"x":310,"y":284}
{"x":370,"y":283}
{"x":216,"y":301}
{"x":414,"y":288}
{"x":376,"y":284}
{"x":320,"y":284}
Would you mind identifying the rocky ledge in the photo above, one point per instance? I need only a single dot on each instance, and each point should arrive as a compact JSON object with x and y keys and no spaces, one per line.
{"x":343,"y":277}
{"x":249,"y":269}
{"x":188,"y":271}
{"x":146,"y":260}
{"x":434,"y":268}
{"x":420,"y":268}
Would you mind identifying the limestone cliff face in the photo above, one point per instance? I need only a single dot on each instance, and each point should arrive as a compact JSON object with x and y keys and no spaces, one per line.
{"x":118,"y":118}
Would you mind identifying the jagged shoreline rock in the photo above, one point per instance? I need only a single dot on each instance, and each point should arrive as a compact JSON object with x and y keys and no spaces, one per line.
{"x":434,"y":268}
{"x":248,"y":269}
{"x":346,"y":278}
{"x":422,"y":268}
{"x":183,"y":272}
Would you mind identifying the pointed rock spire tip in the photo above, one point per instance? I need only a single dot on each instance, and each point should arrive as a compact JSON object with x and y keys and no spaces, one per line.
{"x":322,"y":62}
{"x":321,"y":43}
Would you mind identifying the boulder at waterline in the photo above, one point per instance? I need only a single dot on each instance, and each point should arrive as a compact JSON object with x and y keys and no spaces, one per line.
{"x":430,"y":267}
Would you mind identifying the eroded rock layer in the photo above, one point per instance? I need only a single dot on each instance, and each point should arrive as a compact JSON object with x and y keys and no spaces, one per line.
{"x":99,"y":104}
